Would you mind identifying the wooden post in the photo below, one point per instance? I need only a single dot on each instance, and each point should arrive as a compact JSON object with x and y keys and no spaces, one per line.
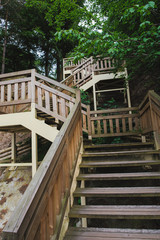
{"x":34,"y":144}
{"x":127,"y":88}
{"x":94,"y":97}
{"x":34,"y":153}
{"x":89,"y":123}
{"x":14,"y":147}
{"x":33,"y":85}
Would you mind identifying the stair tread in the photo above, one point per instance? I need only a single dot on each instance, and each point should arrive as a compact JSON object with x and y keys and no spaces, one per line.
{"x":113,"y":176}
{"x":118,"y":163}
{"x":119,"y":145}
{"x":111,"y":234}
{"x":117,"y":191}
{"x":120,"y":153}
{"x":112,"y":211}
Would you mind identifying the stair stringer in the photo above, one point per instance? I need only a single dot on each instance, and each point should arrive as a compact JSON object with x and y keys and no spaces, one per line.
{"x":28,"y":120}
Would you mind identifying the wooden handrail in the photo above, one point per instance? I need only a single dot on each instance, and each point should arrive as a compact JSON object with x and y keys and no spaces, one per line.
{"x":15,"y":74}
{"x":86,"y":62}
{"x":56,"y":84}
{"x":42,"y":202}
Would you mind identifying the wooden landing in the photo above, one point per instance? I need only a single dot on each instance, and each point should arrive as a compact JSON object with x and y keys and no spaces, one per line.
{"x":111,"y":234}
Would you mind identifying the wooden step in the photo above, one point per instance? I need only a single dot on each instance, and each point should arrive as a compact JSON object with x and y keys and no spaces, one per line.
{"x":110,"y":147}
{"x":120,"y":163}
{"x":120,"y":153}
{"x":118,"y":192}
{"x":111,"y":234}
{"x":120,"y":176}
{"x":115,"y":212}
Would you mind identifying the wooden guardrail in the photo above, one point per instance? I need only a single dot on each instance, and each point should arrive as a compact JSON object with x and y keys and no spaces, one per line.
{"x":125,"y":121}
{"x":68,"y":63}
{"x":103,"y":64}
{"x":150,"y":116}
{"x":40,"y":212}
{"x":19,"y":90}
{"x":83,"y":71}
{"x":114,"y":122}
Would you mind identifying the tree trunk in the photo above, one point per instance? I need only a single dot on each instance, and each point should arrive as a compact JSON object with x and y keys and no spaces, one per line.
{"x":59,"y":70}
{"x":4,"y":45}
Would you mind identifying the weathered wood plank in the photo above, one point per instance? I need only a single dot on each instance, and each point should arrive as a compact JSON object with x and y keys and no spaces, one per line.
{"x":15,"y":91}
{"x":116,"y":212}
{"x":2,"y":94}
{"x":119,"y":176}
{"x":47,"y":100}
{"x":23,"y":90}
{"x":9,"y":89}
{"x":40,"y":97}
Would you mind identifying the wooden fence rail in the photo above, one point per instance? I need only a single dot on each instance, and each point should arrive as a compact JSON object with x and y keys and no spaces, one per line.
{"x":36,"y":214}
{"x":114,"y":122}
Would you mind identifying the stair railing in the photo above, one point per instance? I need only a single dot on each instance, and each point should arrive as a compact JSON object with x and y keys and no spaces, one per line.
{"x":41,"y":210}
{"x":82,"y":72}
{"x":21,"y":89}
{"x":150,"y":116}
{"x":53,"y":99}
{"x":15,"y":91}
{"x":114,"y":122}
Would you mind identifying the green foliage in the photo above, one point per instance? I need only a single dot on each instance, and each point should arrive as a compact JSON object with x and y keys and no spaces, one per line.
{"x":123,"y":29}
{"x":85,"y":98}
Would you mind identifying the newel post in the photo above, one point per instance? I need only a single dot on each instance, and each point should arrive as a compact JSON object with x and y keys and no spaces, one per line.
{"x":33,"y":73}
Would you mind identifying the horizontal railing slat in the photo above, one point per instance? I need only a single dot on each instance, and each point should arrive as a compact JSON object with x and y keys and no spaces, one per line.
{"x":20,"y":80}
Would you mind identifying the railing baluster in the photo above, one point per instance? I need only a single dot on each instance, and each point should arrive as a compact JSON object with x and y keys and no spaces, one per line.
{"x":63,"y":107}
{"x":123,"y":125}
{"x":92,"y":127}
{"x":99,"y":127}
{"x":111,"y":125}
{"x":47,"y":100}
{"x":105,"y":126}
{"x":9,"y":89}
{"x":39,"y":96}
{"x":29,"y":90}
{"x":23,"y":91}
{"x":54,"y":101}
{"x":2,"y":93}
{"x":16,"y":91}
{"x":117,"y":126}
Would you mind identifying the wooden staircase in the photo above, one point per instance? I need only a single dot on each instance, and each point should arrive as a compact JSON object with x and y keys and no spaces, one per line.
{"x":117,"y":194}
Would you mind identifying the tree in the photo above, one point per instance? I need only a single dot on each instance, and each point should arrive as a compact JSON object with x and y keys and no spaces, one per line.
{"x":123,"y":29}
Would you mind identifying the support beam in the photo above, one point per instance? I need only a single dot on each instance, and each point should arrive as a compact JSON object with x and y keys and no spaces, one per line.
{"x":94,"y":97}
{"x":127,"y":88}
{"x":34,"y":153}
{"x":13,"y":147}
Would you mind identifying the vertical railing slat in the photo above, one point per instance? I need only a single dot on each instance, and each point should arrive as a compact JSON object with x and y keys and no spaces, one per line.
{"x":2,"y":93}
{"x":16,"y":91}
{"x":23,"y":90}
{"x":47,"y":100}
{"x":9,"y":92}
